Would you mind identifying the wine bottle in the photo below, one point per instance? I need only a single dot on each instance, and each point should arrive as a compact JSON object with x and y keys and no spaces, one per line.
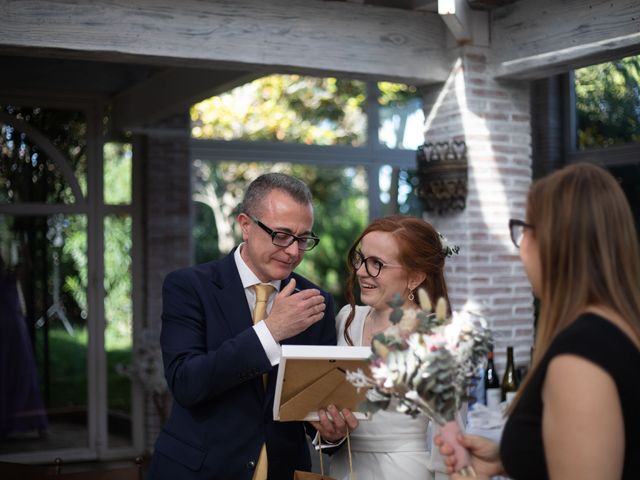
{"x":491,"y":384}
{"x":509,"y":384}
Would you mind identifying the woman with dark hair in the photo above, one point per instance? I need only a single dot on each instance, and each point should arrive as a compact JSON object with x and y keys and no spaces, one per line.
{"x":393,"y":255}
{"x":576,"y":415}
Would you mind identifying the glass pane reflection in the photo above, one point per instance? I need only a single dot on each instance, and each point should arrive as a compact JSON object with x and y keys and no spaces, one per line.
{"x":340,"y":210}
{"x":45,"y":339}
{"x":28,"y":171}
{"x":118,"y":311}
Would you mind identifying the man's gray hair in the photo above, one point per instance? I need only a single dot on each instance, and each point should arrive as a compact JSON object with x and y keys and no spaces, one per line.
{"x":266,"y":183}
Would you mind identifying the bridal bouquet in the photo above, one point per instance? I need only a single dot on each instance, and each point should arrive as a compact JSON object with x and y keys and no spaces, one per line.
{"x":427,"y":361}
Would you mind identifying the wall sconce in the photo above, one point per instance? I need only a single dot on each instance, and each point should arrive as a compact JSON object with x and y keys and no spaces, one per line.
{"x":442,"y":176}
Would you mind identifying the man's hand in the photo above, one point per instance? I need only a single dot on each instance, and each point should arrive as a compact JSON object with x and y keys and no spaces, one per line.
{"x":333,"y":424}
{"x":294,"y":312}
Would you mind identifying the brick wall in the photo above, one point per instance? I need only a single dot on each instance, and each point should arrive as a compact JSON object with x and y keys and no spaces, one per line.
{"x":493,"y":118}
{"x":166,"y":222}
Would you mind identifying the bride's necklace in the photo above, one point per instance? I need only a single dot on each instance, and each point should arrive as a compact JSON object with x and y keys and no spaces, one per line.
{"x":371,"y":329}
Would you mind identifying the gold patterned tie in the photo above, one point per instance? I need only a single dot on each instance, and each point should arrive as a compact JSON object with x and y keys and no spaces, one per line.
{"x":263,"y":290}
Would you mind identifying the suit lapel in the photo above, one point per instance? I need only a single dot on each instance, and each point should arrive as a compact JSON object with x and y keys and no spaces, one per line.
{"x":230,"y":295}
{"x":227,"y":288}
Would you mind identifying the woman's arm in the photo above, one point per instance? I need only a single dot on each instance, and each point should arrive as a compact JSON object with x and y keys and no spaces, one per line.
{"x":582,"y":424}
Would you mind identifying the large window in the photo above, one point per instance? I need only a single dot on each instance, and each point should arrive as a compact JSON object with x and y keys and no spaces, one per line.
{"x":64,"y":338}
{"x":607,"y":122}
{"x":353,"y":143}
{"x":607,"y":103}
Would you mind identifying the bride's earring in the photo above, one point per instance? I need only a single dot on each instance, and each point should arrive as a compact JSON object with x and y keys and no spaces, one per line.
{"x":411,"y":297}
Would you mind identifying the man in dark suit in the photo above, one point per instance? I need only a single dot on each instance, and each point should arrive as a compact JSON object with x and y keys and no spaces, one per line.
{"x":215,"y":356}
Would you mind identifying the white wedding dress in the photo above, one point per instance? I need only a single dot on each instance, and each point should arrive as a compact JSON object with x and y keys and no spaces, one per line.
{"x":391,"y":445}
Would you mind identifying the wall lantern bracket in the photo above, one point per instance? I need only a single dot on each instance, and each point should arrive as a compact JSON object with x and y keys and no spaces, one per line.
{"x":442,"y":176}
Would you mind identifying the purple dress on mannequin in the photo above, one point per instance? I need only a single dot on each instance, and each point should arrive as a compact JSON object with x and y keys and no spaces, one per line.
{"x":21,"y":406}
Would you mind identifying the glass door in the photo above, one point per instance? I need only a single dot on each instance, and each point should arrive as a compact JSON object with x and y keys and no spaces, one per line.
{"x":65,"y":342}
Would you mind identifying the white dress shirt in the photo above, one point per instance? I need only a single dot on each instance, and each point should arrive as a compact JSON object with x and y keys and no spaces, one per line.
{"x":249,"y":279}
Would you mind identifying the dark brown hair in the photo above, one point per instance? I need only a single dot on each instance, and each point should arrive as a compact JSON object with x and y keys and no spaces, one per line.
{"x":420,"y":251}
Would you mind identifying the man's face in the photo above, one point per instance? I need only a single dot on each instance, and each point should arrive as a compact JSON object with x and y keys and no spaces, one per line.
{"x":282,"y":213}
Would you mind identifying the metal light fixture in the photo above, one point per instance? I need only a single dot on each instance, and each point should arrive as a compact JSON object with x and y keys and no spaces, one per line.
{"x":442,"y":176}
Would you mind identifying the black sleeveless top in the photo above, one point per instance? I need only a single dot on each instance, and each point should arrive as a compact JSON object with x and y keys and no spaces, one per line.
{"x":601,"y":342}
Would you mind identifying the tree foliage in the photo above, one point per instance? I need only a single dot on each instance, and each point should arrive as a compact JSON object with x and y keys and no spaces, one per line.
{"x":608,"y":103}
{"x":289,"y":108}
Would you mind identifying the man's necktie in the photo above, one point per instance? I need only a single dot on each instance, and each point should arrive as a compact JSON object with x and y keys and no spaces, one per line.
{"x":263,"y":290}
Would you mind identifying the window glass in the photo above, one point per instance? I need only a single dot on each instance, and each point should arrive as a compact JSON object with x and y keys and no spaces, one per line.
{"x":37,"y":147}
{"x":340,"y":211}
{"x":118,"y":312}
{"x":44,"y":341}
{"x":397,"y":191}
{"x":608,"y":103}
{"x":117,"y":173}
{"x":401,"y":116}
{"x":287,"y":108}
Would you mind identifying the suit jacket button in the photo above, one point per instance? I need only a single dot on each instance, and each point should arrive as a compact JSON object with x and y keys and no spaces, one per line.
{"x":251,"y":465}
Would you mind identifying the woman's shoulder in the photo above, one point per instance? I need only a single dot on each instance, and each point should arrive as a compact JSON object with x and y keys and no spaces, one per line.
{"x":343,"y":314}
{"x":591,"y":330}
{"x":601,"y":342}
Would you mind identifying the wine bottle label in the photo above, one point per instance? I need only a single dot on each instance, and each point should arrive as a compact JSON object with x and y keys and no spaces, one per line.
{"x":493,"y":398}
{"x":510,"y":396}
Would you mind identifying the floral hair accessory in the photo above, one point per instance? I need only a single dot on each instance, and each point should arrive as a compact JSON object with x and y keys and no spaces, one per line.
{"x":447,"y":250}
{"x":426,"y":361}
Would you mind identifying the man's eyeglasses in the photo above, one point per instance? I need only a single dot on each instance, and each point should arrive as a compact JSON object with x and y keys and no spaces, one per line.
{"x":284,"y":239}
{"x":372,"y":265}
{"x":516,"y":228}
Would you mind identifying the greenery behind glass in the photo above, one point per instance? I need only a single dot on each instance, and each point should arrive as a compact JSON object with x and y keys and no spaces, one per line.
{"x":608,"y":103}
{"x":34,"y":245}
{"x":294,"y":109}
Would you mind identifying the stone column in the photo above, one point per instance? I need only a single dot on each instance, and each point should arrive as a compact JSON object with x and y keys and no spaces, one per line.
{"x":493,"y":118}
{"x":166,"y":218}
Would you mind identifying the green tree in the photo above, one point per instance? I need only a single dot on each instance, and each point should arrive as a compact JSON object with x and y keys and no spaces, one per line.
{"x":608,"y":103}
{"x":289,"y":108}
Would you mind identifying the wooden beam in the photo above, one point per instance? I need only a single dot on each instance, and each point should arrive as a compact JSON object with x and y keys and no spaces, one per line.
{"x":455,"y":13}
{"x":538,"y":38}
{"x":467,"y":26}
{"x":325,"y":155}
{"x":341,"y":38}
{"x":168,"y":92}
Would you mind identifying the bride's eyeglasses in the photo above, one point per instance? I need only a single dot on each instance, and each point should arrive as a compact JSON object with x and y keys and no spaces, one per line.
{"x":373,"y":265}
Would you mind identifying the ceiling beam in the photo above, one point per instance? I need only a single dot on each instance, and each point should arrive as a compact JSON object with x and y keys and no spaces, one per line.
{"x":325,"y":155}
{"x":340,"y":38}
{"x":539,"y":38}
{"x":168,"y":92}
{"x":467,"y":26}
